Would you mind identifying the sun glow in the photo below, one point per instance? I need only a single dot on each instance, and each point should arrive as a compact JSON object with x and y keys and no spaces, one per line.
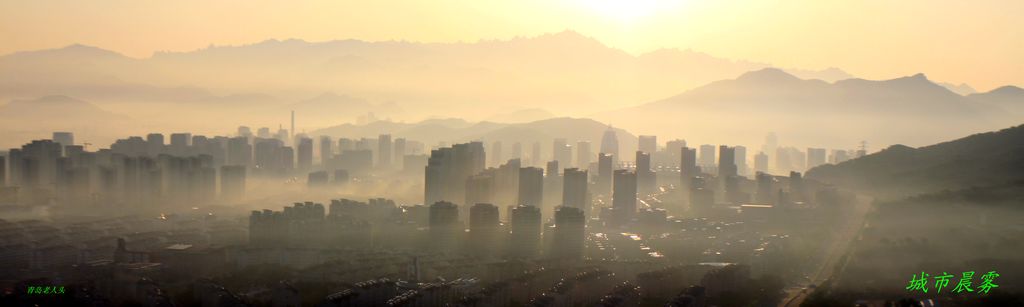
{"x":627,"y":11}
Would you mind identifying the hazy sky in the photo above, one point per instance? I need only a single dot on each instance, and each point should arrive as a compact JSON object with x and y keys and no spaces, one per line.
{"x":978,"y":42}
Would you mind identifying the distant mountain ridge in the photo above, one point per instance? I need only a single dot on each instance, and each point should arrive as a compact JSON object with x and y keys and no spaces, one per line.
{"x":564,"y":73}
{"x":18,"y":119}
{"x":886,"y":111}
{"x":1010,"y":98}
{"x":54,"y":107}
{"x":569,"y":68}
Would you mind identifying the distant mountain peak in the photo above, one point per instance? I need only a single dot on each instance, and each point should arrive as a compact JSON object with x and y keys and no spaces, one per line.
{"x":770,"y":74}
{"x":565,"y":37}
{"x":1008,"y":89}
{"x":919,"y":76}
{"x":76,"y":49}
{"x":963,"y":89}
{"x":916,"y":80}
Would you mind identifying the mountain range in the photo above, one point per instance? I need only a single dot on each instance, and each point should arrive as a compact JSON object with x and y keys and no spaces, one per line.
{"x":58,"y":113}
{"x":671,"y":93}
{"x":911,"y":110}
{"x":565,"y":73}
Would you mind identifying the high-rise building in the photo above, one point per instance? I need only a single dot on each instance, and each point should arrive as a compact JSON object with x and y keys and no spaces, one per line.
{"x":326,"y":150}
{"x":740,"y":153}
{"x":535,"y":155}
{"x":604,"y":174}
{"x":583,"y":155}
{"x":610,"y":142}
{"x":506,"y":182}
{"x":444,"y":226}
{"x":648,"y":143}
{"x":524,"y":238}
{"x":400,"y":152}
{"x":562,"y":152}
{"x":624,"y":195}
{"x":267,"y":155}
{"x":480,"y":188}
{"x":569,"y":234}
{"x":771,"y":143}
{"x":14,"y":158}
{"x":154,"y":144}
{"x":3,"y":171}
{"x":796,"y":187}
{"x":517,"y":151}
{"x":707,"y":156}
{"x":765,"y":188}
{"x":239,"y":151}
{"x":305,"y":153}
{"x":688,"y":164}
{"x":414,"y":163}
{"x":674,"y":149}
{"x":298,"y":225}
{"x":760,"y":162}
{"x":180,"y":143}
{"x":232,"y":181}
{"x":646,"y":178}
{"x":483,"y":229}
{"x":839,"y":156}
{"x":287,"y":158}
{"x":354,"y":161}
{"x":727,"y":162}
{"x":816,"y":157}
{"x":789,"y":159}
{"x":384,"y":151}
{"x":447,"y":170}
{"x":244,"y":131}
{"x":531,"y":187}
{"x":574,"y":189}
{"x":35,"y":164}
{"x":64,"y":138}
{"x":346,"y":144}
{"x":551,"y":169}
{"x":496,"y":154}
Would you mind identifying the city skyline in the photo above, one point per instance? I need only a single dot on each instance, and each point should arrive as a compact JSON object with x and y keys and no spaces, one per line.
{"x":561,"y":153}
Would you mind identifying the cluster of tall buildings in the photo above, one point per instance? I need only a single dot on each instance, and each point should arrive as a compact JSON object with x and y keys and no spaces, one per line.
{"x":132,"y":171}
{"x":347,"y":224}
{"x":522,"y":236}
{"x":183,"y":167}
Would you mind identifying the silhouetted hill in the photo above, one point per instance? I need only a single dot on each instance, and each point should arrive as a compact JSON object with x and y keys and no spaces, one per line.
{"x":21,"y":120}
{"x":903,"y":110}
{"x":521,"y":116}
{"x":980,"y":160}
{"x":54,"y":107}
{"x":1010,"y":98}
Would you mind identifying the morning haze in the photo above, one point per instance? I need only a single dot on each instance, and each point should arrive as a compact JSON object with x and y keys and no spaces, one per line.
{"x":493,"y":153}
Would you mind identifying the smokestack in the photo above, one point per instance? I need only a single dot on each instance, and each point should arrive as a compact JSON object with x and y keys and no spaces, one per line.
{"x":293,"y":126}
